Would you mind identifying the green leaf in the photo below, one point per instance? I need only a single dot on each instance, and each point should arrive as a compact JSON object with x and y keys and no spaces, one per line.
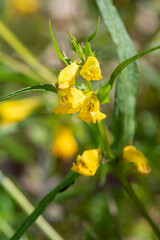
{"x":104,"y":90}
{"x":125,"y":63}
{"x":66,"y":182}
{"x":40,"y":87}
{"x":77,"y":47}
{"x":56,"y":45}
{"x":104,"y":93}
{"x":95,"y":33}
{"x":127,"y":84}
{"x":87,"y":50}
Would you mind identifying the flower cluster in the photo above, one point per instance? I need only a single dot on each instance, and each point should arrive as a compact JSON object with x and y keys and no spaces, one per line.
{"x":72,"y":99}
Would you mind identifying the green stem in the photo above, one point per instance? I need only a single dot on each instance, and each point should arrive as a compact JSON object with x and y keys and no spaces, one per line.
{"x":124,"y":181}
{"x":18,"y":196}
{"x":134,"y":198}
{"x":89,"y":85}
{"x":7,"y":229}
{"x":66,"y":182}
{"x":105,"y":144}
{"x":28,"y":57}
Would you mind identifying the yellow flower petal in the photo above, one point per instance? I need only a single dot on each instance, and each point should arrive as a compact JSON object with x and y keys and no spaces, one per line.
{"x":70,"y":101}
{"x":131,"y":154}
{"x":17,"y":110}
{"x":67,"y":76}
{"x":90,"y":109}
{"x":88,"y":163}
{"x":65,"y":145}
{"x":91,"y":69}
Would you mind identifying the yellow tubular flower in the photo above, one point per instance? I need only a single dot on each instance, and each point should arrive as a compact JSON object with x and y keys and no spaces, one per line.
{"x":91,"y":69}
{"x":70,"y":101}
{"x":17,"y":110}
{"x":67,"y":76}
{"x":65,"y":145}
{"x":90,"y":109}
{"x":87,"y":164}
{"x":26,"y":6}
{"x":131,"y":154}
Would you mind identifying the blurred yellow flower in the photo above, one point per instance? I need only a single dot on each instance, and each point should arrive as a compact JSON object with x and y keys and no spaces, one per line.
{"x":67,"y":76}
{"x":17,"y":110}
{"x":91,"y":69}
{"x":88,"y":163}
{"x":70,"y":101}
{"x":90,"y":109}
{"x":131,"y":154}
{"x":65,"y":145}
{"x":26,"y":6}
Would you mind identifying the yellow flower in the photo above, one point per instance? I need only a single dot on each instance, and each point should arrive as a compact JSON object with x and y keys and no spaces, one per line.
{"x":87,"y":164}
{"x":131,"y":154}
{"x":91,"y":69}
{"x":17,"y":110}
{"x":67,"y":76}
{"x":70,"y":101}
{"x":65,"y":145}
{"x":26,"y":6}
{"x":90,"y":109}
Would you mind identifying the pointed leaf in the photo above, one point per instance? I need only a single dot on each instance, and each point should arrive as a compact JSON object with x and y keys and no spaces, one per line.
{"x":56,"y":45}
{"x":127,"y":84}
{"x":41,"y":87}
{"x":95,"y":33}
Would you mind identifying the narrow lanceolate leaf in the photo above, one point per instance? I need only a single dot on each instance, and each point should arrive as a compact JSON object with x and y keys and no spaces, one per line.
{"x":66,"y":182}
{"x":40,"y":87}
{"x":127,"y":84}
{"x":56,"y":45}
{"x":95,"y":32}
{"x":105,"y":90}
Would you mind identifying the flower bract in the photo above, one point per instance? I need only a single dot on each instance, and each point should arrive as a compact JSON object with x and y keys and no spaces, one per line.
{"x":131,"y":154}
{"x":90,"y":109}
{"x":91,"y":69}
{"x":70,"y":101}
{"x":88,"y":163}
{"x":67,"y":76}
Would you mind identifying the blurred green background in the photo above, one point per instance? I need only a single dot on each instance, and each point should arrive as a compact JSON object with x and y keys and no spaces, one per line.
{"x":93,"y":208}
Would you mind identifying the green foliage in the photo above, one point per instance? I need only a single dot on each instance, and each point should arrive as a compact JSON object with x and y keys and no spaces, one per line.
{"x":127,"y":84}
{"x":40,"y":87}
{"x":56,"y":45}
{"x":105,"y":90}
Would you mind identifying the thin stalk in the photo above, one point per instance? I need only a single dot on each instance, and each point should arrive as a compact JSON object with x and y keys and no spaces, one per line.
{"x":105,"y":144}
{"x":7,"y":230}
{"x":66,"y":182}
{"x":124,"y":181}
{"x":18,"y":196}
{"x":89,"y":85}
{"x":27,"y":56}
{"x":20,"y":67}
{"x":135,"y":199}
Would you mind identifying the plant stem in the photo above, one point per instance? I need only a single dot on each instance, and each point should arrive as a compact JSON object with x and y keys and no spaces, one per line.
{"x":7,"y":229}
{"x":105,"y":144}
{"x":89,"y":85}
{"x":11,"y":188}
{"x":124,"y":181}
{"x":28,"y":57}
{"x":66,"y":182}
{"x":134,"y":198}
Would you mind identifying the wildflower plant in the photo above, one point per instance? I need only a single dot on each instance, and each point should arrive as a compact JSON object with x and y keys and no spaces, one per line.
{"x":85,"y":102}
